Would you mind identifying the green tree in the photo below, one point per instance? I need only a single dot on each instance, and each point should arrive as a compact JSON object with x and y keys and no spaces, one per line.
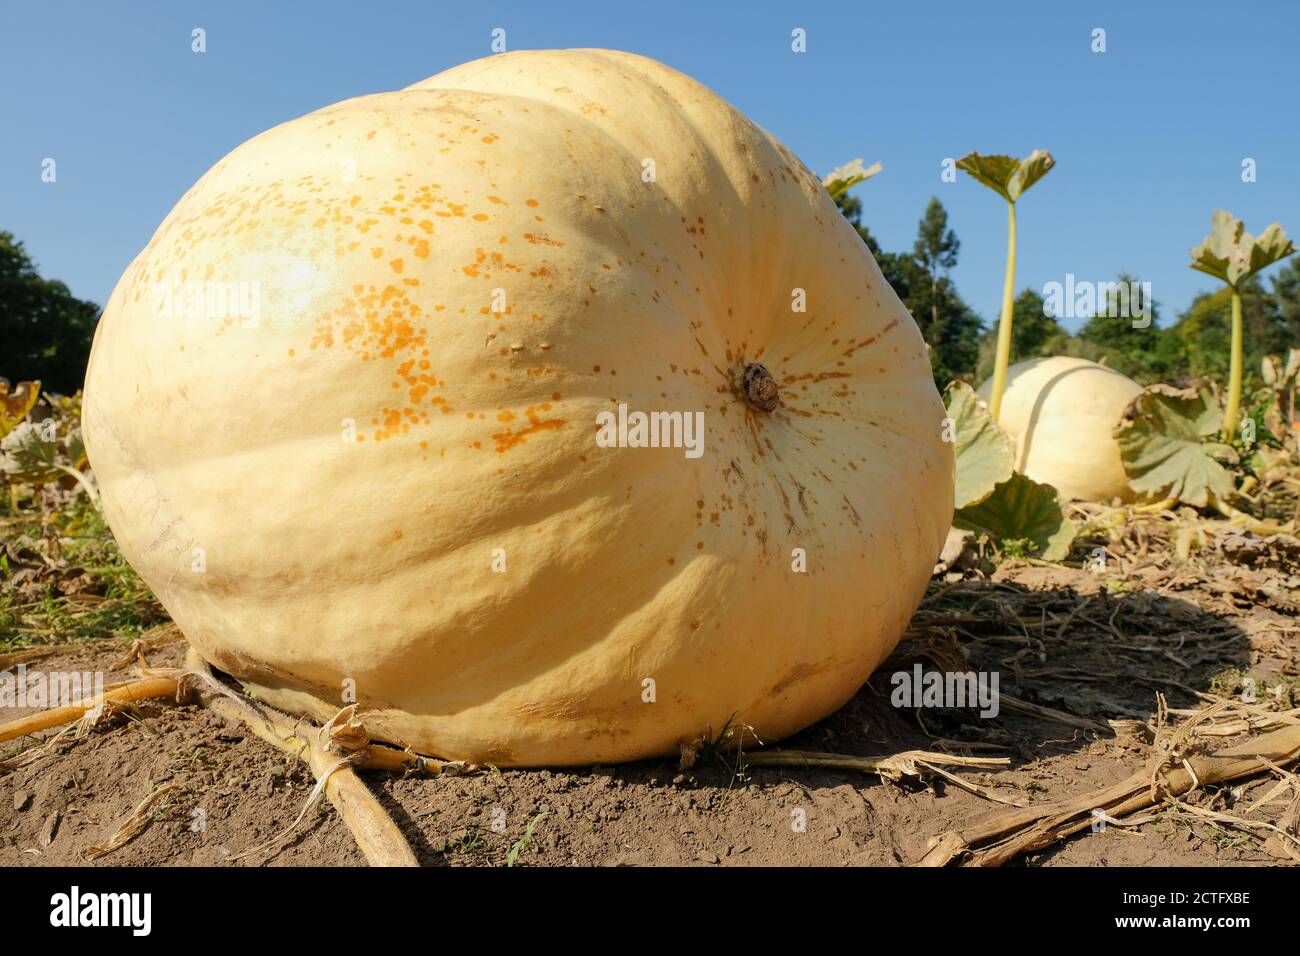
{"x":1286,"y":294}
{"x":45,"y":329}
{"x":1147,"y":354}
{"x":1034,"y":332}
{"x":935,"y":250}
{"x":1205,"y":329}
{"x":948,"y":324}
{"x":1111,"y":325}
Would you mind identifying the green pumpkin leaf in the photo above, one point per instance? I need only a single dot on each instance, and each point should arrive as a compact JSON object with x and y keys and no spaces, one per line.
{"x":1214,"y":256}
{"x":27,"y":456}
{"x":985,"y":453}
{"x":1009,"y":177}
{"x":74,"y":446}
{"x":1167,"y":442}
{"x":16,"y":404}
{"x":841,"y":180}
{"x":1021,"y":509}
{"x":1231,"y":254}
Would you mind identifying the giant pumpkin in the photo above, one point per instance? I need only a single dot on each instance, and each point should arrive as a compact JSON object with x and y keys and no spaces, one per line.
{"x":345,"y":412}
{"x":1062,"y":411}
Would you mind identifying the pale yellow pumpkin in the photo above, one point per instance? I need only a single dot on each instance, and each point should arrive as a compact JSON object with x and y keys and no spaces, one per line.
{"x":466,"y":273}
{"x":1061,"y":411}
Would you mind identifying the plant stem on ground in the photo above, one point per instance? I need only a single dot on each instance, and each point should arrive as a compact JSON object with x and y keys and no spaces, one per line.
{"x":1004,"y":325}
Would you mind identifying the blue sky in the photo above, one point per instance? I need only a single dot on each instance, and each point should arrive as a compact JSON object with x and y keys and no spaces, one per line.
{"x":1149,"y":136}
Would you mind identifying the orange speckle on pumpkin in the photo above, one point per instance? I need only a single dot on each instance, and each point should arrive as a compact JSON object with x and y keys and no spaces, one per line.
{"x":536,"y":424}
{"x":397,"y":265}
{"x":530,"y":202}
{"x":480,"y":217}
{"x":397,"y":536}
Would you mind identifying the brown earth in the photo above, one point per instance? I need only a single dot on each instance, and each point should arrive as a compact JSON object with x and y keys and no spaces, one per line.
{"x":1056,"y":636}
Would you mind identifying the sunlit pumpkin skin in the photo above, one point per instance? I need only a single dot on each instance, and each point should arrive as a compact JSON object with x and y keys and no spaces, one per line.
{"x":1061,"y":412}
{"x":647,"y":597}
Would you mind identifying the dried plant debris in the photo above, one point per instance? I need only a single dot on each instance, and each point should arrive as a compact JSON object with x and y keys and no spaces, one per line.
{"x":1163,"y":649}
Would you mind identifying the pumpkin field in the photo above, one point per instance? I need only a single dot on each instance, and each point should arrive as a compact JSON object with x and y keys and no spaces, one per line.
{"x":540,"y":465}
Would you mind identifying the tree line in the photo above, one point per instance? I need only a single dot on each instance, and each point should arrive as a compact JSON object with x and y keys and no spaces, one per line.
{"x":962,"y":344}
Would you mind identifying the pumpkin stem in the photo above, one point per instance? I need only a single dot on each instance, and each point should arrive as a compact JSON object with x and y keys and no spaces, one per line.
{"x":759,"y":388}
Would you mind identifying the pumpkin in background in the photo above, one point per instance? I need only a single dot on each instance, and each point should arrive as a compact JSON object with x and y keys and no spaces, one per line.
{"x":1062,"y":411}
{"x":372,"y":465}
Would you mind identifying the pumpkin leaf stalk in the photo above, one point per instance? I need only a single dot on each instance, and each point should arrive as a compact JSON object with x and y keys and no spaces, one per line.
{"x":1003,"y":358}
{"x":1232,"y":256}
{"x":1232,"y":413}
{"x":1010,"y":178}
